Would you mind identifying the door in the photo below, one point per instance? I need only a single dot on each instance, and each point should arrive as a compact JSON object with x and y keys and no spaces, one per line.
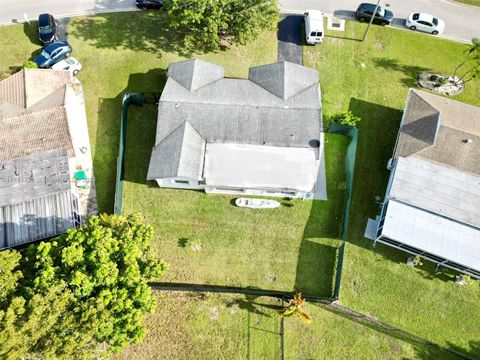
{"x":425,"y":26}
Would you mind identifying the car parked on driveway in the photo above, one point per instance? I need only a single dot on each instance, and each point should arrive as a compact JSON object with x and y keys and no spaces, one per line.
{"x":53,"y":53}
{"x":365,"y":11}
{"x":425,"y":22}
{"x":47,"y":29}
{"x":149,"y":4}
{"x":71,"y":64}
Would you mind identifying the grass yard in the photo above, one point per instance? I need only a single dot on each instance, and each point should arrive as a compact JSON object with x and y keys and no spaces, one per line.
{"x":371,"y":79}
{"x":208,"y":240}
{"x":210,"y":326}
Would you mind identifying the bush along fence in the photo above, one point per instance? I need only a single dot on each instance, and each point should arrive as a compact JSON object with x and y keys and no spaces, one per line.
{"x":352,"y":133}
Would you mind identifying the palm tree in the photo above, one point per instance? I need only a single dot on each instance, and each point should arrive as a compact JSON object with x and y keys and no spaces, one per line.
{"x":472,"y":54}
{"x":294,"y":308}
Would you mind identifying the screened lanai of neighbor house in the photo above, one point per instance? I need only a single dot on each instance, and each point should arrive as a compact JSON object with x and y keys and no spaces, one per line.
{"x":432,"y":203}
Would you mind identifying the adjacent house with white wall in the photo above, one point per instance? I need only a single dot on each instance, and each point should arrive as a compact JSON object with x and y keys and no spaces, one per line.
{"x":46,"y":172}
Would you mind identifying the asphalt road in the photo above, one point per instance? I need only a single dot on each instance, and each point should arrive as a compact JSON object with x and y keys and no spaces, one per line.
{"x":462,"y":21}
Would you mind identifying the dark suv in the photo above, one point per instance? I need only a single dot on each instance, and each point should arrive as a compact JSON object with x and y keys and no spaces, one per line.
{"x":47,"y":29}
{"x":365,"y":12}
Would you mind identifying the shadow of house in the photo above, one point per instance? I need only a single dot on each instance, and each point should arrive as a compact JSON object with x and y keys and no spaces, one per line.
{"x":140,"y":138}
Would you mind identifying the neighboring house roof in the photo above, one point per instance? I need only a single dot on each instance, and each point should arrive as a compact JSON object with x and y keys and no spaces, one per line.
{"x":35,"y":198}
{"x":180,"y":154}
{"x":32,"y":113}
{"x":437,"y":189}
{"x":440,"y":130}
{"x":242,"y":111}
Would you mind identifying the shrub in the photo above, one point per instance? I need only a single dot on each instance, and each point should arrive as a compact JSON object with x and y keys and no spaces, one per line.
{"x":29,"y":64}
{"x":344,"y":118}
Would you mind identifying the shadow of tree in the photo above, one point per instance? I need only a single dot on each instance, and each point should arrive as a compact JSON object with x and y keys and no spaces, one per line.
{"x":137,"y":31}
{"x":31,"y":31}
{"x":411,"y":71}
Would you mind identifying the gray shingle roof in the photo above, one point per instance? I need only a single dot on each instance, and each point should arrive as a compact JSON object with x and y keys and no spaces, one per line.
{"x":195,"y":73}
{"x":180,"y":154}
{"x":283,"y":79}
{"x":440,"y":130}
{"x":29,"y":177}
{"x":238,"y":111}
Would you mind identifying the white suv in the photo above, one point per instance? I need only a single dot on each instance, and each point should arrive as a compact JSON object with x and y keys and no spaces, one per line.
{"x":71,"y":64}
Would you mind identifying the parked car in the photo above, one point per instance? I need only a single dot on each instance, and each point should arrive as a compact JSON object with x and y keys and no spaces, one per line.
{"x":149,"y":4}
{"x":53,"y":53}
{"x":365,"y":11}
{"x":47,"y":29}
{"x":71,"y":64}
{"x":425,"y":22}
{"x":313,"y":27}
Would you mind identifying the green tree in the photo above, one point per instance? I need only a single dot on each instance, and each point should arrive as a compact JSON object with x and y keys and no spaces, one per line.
{"x":84,"y":288}
{"x":208,"y":24}
{"x":470,"y":64}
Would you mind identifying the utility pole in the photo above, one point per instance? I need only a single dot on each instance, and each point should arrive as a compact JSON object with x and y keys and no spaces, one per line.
{"x":371,"y":20}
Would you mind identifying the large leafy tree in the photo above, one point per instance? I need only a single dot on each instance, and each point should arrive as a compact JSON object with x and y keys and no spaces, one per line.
{"x":207,"y":24}
{"x":80,"y":293}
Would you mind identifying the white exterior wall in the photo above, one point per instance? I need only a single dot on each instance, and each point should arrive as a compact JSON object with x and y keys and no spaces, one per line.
{"x":195,"y":185}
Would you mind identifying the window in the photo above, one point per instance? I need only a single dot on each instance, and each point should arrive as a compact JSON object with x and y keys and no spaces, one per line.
{"x":312,"y":33}
{"x":415,"y":16}
{"x":181,"y":182}
{"x":425,"y":23}
{"x":435,"y":21}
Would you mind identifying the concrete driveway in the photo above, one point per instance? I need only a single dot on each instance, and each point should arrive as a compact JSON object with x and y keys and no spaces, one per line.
{"x":289,"y":37}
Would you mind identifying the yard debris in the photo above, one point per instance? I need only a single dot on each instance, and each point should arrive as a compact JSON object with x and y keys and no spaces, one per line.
{"x":271,"y":277}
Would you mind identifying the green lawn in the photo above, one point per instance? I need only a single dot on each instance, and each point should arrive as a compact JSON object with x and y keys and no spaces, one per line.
{"x":206,"y":239}
{"x":372,"y":79}
{"x":469,"y":2}
{"x":209,"y":326}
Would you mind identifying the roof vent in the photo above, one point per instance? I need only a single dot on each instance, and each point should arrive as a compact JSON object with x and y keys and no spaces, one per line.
{"x":467,"y":141}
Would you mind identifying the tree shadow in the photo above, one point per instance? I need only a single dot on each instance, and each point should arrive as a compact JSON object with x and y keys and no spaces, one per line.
{"x":411,"y":71}
{"x":31,"y":31}
{"x":140,"y":137}
{"x":137,"y":31}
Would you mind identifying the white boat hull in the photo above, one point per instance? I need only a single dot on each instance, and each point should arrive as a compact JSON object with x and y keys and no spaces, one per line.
{"x":257,"y":203}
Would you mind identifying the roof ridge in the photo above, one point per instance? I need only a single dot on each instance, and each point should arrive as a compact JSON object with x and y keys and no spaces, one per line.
{"x":248,"y":105}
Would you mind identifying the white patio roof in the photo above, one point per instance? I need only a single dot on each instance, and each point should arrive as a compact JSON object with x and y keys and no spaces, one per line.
{"x":260,"y":166}
{"x":437,"y":188}
{"x":433,"y":233}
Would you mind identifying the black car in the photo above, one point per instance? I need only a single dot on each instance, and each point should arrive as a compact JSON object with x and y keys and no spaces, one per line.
{"x":365,"y":12}
{"x":47,"y":29}
{"x":149,"y":4}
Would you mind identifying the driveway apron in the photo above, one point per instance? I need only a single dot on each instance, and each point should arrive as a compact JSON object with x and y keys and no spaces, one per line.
{"x":289,"y":37}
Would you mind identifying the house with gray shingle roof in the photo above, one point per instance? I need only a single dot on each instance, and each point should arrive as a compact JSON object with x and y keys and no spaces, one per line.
{"x":44,"y":143}
{"x":432,"y":202}
{"x":261,"y":135}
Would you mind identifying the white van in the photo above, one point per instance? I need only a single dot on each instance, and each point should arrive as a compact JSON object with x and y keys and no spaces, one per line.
{"x":314,"y":27}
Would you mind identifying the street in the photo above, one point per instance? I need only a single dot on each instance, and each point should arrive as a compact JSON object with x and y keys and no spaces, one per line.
{"x":462,"y":21}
